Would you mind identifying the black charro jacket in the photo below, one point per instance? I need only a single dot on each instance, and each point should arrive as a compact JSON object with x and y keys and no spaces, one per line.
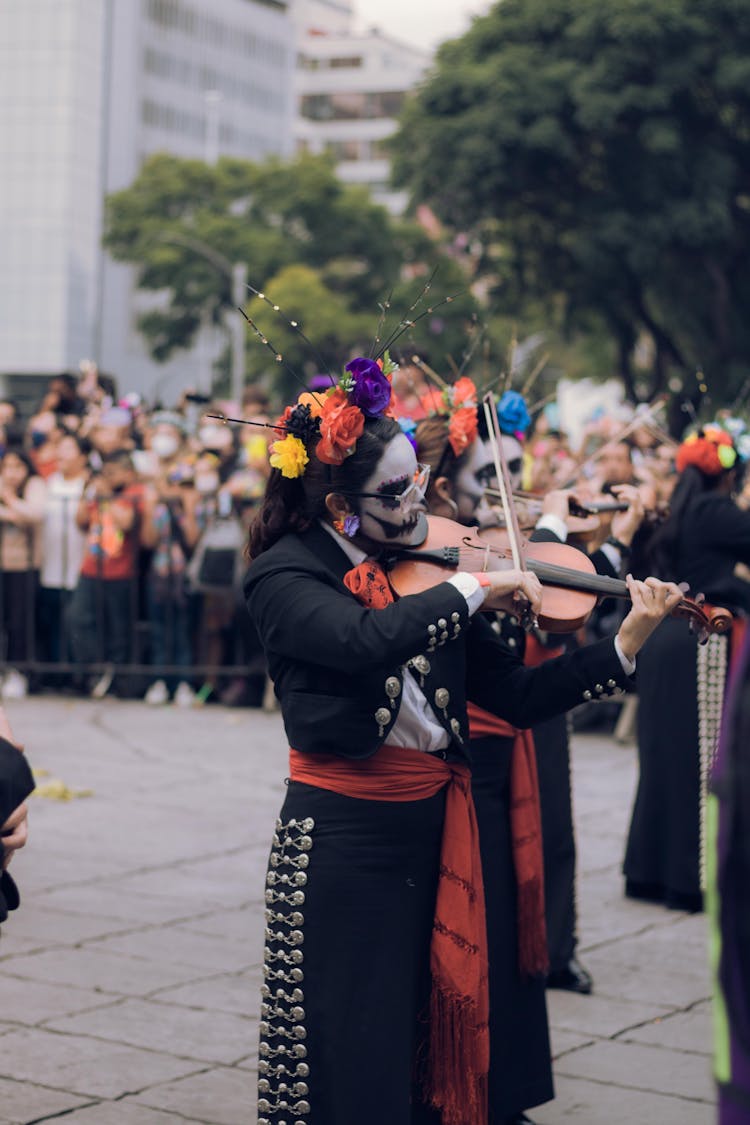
{"x":336,"y":665}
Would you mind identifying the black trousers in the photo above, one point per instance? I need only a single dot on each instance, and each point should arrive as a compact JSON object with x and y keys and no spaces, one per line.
{"x":520,"y":1058}
{"x":558,"y":835}
{"x":350,"y":899}
{"x":100,"y":620}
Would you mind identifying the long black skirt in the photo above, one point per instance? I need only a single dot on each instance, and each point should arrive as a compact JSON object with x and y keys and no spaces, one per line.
{"x":350,"y":899}
{"x":662,"y":855}
{"x":520,"y":1059}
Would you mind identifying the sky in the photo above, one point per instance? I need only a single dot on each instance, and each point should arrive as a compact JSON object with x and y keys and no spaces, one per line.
{"x":422,"y":22}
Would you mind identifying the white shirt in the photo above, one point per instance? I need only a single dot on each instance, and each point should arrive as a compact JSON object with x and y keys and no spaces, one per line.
{"x":63,"y":542}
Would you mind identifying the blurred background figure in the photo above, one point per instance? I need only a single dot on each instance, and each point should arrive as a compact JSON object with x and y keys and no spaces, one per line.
{"x":22,"y":499}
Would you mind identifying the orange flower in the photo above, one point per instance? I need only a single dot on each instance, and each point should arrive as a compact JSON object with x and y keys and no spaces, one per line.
{"x":464,"y":392}
{"x":314,"y":401}
{"x":340,"y":427}
{"x":462,"y":429}
{"x":432,"y":402}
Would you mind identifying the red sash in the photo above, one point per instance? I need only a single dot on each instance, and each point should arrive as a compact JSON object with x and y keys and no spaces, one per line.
{"x":458,"y":1055}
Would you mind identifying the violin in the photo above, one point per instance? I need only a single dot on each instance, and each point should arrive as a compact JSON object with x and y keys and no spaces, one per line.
{"x":571,"y":587}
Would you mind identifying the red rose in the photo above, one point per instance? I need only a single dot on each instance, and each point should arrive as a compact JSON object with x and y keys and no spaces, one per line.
{"x":282,"y":421}
{"x":463,"y":429}
{"x":340,"y":426}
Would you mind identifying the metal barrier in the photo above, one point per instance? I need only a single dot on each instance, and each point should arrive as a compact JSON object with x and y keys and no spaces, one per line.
{"x":88,"y":624}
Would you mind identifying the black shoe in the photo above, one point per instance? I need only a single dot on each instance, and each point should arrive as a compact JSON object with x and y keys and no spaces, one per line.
{"x":573,"y":978}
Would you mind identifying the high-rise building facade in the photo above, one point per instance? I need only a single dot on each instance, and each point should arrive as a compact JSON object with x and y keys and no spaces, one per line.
{"x":351,"y":88}
{"x":89,"y":89}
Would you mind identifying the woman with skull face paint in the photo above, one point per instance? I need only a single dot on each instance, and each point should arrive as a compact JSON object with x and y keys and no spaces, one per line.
{"x":375,"y":1003}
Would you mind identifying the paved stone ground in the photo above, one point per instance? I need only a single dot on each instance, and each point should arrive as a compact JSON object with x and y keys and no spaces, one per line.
{"x":129,"y":979}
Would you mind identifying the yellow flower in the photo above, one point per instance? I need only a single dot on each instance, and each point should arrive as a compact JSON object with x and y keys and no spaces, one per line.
{"x":290,"y":456}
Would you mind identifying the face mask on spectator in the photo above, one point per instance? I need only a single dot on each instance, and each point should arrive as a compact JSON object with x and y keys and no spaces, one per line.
{"x":207,"y":482}
{"x":213,"y":437}
{"x":164,"y":446}
{"x":38,"y":438}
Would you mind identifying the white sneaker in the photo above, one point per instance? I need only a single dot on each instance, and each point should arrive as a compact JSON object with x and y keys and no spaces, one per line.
{"x":15,"y":686}
{"x":103,"y":684}
{"x":184,"y":696}
{"x":157,"y":693}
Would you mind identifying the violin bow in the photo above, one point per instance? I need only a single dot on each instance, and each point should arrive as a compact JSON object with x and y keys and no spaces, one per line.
{"x":505,"y":490}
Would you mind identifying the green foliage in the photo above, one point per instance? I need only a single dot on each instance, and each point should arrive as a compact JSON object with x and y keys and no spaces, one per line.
{"x":600,"y":153}
{"x":323,"y":250}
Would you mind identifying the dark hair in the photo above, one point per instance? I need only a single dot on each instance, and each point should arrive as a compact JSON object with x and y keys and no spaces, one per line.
{"x":22,"y":455}
{"x":84,"y":445}
{"x":118,"y":457}
{"x":662,"y":549}
{"x":295,"y":504}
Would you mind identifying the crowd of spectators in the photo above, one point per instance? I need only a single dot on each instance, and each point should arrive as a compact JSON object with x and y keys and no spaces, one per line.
{"x":108,"y":510}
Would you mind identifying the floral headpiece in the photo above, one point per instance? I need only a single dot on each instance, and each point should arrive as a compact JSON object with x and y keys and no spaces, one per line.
{"x":336,"y":419}
{"x":710,"y":449}
{"x":458,"y":403}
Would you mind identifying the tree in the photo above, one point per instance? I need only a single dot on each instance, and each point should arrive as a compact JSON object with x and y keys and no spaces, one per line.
{"x":327,"y":253}
{"x":601,"y":154}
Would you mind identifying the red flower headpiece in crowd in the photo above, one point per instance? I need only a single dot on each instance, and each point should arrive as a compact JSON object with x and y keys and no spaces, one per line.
{"x":336,"y":418}
{"x":711,"y":450}
{"x":458,"y":403}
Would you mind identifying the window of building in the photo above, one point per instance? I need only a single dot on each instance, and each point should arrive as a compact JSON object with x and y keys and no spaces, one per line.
{"x":351,"y":106}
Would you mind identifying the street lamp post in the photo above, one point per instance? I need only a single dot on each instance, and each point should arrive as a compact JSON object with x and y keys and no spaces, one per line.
{"x":237,"y":328}
{"x":237,"y":274}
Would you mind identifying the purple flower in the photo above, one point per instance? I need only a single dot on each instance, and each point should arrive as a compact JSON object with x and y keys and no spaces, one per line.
{"x":372,"y":390}
{"x":351,"y":526}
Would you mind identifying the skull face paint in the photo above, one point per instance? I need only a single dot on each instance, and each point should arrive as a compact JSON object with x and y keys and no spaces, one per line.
{"x":397,"y":517}
{"x":477,"y":470}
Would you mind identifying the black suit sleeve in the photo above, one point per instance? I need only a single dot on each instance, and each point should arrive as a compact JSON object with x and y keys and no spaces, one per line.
{"x":501,"y":684}
{"x":16,"y":780}
{"x":298,"y":613}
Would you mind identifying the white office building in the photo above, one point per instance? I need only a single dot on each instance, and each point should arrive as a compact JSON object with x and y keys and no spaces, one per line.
{"x":88,"y":90}
{"x":351,"y":89}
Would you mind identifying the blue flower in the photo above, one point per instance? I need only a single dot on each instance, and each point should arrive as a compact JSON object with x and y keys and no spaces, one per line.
{"x":512,"y":414}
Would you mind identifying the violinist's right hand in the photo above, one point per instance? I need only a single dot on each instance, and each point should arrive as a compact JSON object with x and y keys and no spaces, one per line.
{"x":512,"y":590}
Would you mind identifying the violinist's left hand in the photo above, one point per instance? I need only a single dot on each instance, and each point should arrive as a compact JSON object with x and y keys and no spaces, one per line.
{"x":652,"y":602}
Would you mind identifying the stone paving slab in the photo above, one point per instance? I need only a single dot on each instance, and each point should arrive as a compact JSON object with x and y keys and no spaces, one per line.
{"x":128,"y":1113}
{"x":600,"y":1016}
{"x":236,"y":995}
{"x":210,"y":953}
{"x":655,"y":1069}
{"x":153,"y":1025}
{"x":86,"y":1066}
{"x":682,"y":1031}
{"x":20,"y":1103}
{"x":216,"y":1096}
{"x":582,"y":1102}
{"x":113,"y":973}
{"x":37,"y":1001}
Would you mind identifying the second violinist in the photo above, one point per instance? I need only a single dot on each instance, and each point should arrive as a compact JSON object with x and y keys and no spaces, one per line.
{"x":526,"y":846}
